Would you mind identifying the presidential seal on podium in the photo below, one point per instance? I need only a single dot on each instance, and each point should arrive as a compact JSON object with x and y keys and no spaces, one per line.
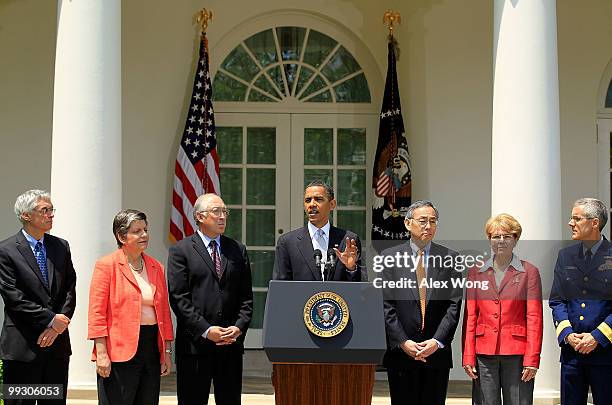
{"x":326,"y":314}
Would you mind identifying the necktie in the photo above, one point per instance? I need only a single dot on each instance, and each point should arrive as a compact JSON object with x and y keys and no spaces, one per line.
{"x":42,"y":262}
{"x":420,"y":274}
{"x":215,"y":257}
{"x":320,"y":238}
{"x":588,"y":255}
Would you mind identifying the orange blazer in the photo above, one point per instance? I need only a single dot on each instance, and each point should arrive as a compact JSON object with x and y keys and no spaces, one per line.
{"x":507,"y":320}
{"x":115,"y":305}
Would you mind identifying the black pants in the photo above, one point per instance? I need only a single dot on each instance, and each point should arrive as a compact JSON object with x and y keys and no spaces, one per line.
{"x":195,"y":372}
{"x":419,"y":385}
{"x":136,"y":381}
{"x":48,"y":370}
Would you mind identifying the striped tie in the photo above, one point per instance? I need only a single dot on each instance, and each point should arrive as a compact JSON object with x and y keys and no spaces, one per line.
{"x":42,"y":262}
{"x":215,"y":257}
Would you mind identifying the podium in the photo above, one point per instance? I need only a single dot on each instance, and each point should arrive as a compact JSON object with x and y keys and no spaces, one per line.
{"x":313,"y":370}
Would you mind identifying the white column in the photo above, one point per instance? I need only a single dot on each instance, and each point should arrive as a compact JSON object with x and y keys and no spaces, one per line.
{"x":86,"y":156}
{"x":526,"y":166}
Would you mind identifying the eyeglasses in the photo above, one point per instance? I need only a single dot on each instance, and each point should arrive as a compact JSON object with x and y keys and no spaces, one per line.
{"x":46,"y":211}
{"x":218,"y":211}
{"x":501,"y":237}
{"x":578,"y":219}
{"x":433,"y":222}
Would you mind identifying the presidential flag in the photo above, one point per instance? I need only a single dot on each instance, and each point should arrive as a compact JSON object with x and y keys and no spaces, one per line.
{"x":392,"y":178}
{"x":196,"y":170}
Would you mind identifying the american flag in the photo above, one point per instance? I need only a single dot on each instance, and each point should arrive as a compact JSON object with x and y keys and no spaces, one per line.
{"x":196,"y":170}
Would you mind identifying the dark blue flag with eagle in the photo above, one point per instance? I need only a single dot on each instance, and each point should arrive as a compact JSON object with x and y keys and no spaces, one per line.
{"x":392,"y":178}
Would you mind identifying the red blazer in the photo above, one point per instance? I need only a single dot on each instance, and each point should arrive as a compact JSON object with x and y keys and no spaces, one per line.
{"x":507,"y":320}
{"x":115,"y":305}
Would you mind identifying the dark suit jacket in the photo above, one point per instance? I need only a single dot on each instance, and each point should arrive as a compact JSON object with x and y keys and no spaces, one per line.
{"x":403,"y":310}
{"x":29,"y":306}
{"x":200,"y":299}
{"x":581,"y":301}
{"x":294,"y":258}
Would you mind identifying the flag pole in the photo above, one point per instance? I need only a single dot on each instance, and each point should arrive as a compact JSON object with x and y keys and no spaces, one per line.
{"x":202,"y":18}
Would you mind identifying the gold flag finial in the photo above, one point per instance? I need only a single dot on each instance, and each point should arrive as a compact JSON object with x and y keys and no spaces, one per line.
{"x":202,"y":17}
{"x":391,"y":17}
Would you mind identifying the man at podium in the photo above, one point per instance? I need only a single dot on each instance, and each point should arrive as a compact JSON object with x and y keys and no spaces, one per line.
{"x":319,"y":251}
{"x":421,"y":320}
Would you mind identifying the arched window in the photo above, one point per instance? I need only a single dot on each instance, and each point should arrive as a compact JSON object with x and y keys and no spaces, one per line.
{"x":291,"y":62}
{"x":608,"y":103}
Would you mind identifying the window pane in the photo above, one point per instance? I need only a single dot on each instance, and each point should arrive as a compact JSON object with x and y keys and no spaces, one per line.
{"x":317,"y":84}
{"x":354,"y":90}
{"x":325,"y":175}
{"x":261,"y":145}
{"x":290,"y":73}
{"x":233,"y":225}
{"x":340,"y":65}
{"x":255,"y":95}
{"x":324,"y":97}
{"x":229,"y":144}
{"x":240,"y":63}
{"x":351,"y":187}
{"x":351,"y":146}
{"x":318,"y":146}
{"x":305,"y":74}
{"x":231,"y":183}
{"x":277,"y":77}
{"x":263,"y":47}
{"x":353,"y":220}
{"x":290,"y":40}
{"x":319,"y":46}
{"x":259,"y":305}
{"x":227,"y":89}
{"x":264,"y":84}
{"x":260,"y":227}
{"x":262,"y":262}
{"x":261,"y":186}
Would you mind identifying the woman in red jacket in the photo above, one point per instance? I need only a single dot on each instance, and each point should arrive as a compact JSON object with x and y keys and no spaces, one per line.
{"x":129,"y":317}
{"x":502,"y":331}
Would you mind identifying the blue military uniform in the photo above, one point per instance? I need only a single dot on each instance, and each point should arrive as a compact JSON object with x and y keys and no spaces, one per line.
{"x":581,"y":302}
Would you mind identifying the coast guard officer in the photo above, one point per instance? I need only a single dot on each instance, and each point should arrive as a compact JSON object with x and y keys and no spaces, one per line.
{"x":581,"y":302}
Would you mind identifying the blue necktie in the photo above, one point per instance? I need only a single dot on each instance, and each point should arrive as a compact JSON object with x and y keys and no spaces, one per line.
{"x":42,"y":262}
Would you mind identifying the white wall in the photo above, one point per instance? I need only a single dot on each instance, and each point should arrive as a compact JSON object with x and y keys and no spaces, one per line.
{"x":27,"y":52}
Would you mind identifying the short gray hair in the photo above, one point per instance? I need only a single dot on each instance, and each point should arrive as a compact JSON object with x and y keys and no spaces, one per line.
{"x":201,"y":205}
{"x":123,"y":220}
{"x":420,"y":204}
{"x":594,"y":208}
{"x":27,"y":201}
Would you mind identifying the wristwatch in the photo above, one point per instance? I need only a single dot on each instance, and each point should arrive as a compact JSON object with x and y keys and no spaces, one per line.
{"x":169,"y":351}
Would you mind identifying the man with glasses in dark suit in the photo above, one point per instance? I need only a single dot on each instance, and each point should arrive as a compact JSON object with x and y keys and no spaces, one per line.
{"x":420,"y":321}
{"x":37,"y":283}
{"x":210,"y":290}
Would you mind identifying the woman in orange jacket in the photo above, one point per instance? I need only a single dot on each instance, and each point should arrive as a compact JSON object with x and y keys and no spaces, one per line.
{"x":502,"y":330}
{"x":129,"y":317}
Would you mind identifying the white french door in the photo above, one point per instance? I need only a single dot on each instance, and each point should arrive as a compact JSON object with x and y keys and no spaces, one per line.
{"x":265,"y":162}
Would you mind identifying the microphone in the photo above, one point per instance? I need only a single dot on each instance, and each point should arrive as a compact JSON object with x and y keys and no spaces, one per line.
{"x":330,"y":265}
{"x":318,"y":256}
